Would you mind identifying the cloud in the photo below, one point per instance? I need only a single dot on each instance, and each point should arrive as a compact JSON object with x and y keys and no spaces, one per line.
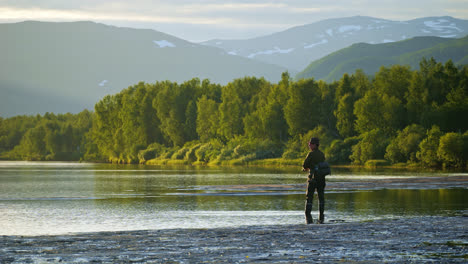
{"x":205,"y":19}
{"x":74,"y":15}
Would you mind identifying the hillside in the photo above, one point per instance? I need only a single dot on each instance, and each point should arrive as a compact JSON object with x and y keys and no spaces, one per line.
{"x":296,"y":47}
{"x":67,"y":67}
{"x":370,"y":57}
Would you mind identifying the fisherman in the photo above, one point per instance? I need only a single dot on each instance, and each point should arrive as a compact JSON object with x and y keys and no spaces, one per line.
{"x":315,"y":181}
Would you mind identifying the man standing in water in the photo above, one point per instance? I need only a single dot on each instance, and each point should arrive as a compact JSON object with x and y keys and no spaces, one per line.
{"x":315,"y":181}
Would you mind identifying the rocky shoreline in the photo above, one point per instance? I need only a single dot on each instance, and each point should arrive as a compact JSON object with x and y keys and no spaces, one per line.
{"x":417,"y":239}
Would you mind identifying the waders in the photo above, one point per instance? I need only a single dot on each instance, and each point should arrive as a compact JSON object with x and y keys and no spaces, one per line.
{"x":312,"y":185}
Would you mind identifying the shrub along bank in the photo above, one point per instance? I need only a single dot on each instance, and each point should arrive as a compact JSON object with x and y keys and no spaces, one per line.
{"x":398,"y":116}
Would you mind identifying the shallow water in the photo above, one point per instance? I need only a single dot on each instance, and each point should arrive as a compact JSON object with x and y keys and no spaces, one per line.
{"x":57,"y":198}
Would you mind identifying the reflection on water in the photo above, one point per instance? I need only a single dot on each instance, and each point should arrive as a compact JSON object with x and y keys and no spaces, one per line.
{"x":55,"y":198}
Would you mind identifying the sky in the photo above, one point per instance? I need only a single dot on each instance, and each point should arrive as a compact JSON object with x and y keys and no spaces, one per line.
{"x":203,"y":20}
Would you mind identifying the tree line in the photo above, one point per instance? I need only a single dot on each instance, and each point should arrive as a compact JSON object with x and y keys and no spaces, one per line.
{"x":398,"y":115}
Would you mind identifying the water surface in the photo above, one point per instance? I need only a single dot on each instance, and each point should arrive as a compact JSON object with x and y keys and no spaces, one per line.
{"x":57,"y":198}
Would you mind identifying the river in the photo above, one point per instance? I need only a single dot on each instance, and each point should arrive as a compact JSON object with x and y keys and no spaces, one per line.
{"x":49,"y":198}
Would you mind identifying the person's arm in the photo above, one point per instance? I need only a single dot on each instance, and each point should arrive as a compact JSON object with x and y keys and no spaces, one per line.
{"x":306,"y":164}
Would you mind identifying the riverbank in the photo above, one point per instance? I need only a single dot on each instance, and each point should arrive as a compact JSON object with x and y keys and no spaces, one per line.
{"x":419,"y":239}
{"x":295,"y":163}
{"x":261,"y":163}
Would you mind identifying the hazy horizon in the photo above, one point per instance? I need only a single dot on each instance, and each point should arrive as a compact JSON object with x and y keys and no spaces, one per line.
{"x":198,"y":21}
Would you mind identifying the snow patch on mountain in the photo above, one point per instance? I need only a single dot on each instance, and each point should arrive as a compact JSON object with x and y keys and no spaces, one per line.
{"x":317,"y":40}
{"x":324,"y":41}
{"x":448,"y":36}
{"x":438,"y":25}
{"x":103,"y":83}
{"x":164,"y":43}
{"x":347,"y":28}
{"x":270,"y":52}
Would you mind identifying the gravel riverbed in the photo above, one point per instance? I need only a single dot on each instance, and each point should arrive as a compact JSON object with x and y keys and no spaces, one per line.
{"x":416,"y":239}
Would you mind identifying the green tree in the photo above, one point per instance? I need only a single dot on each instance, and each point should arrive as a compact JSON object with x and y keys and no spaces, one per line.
{"x":417,"y":98}
{"x":171,"y":104}
{"x":452,"y":114}
{"x":327,"y":106}
{"x":406,"y":144}
{"x":340,"y":150}
{"x":428,"y":148}
{"x":453,"y":150}
{"x":378,"y":111}
{"x":371,"y":146}
{"x":32,"y":145}
{"x":267,"y":121}
{"x":302,"y":111}
{"x":344,"y":87}
{"x":393,"y":81}
{"x":348,"y":92}
{"x":345,"y":118}
{"x":360,"y":83}
{"x":238,"y":100}
{"x":207,"y":119}
{"x":106,"y":125}
{"x":231,"y":116}
{"x":13,"y":129}
{"x":297,"y":146}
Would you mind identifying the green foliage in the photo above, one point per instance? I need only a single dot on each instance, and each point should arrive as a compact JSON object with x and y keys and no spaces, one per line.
{"x":13,"y":129}
{"x":340,"y":151}
{"x":236,"y":104}
{"x":428,"y":148}
{"x":152,"y":151}
{"x":181,"y":153}
{"x":393,"y":81}
{"x":379,"y":111}
{"x":370,"y":57}
{"x":345,"y":118}
{"x":297,"y":147}
{"x":376,"y":163}
{"x":207,"y":118}
{"x":371,"y":146}
{"x":48,"y":137}
{"x":267,"y":120}
{"x":251,"y":119}
{"x":302,"y":111}
{"x":405,"y":146}
{"x":190,"y":156}
{"x":438,"y":96}
{"x":175,"y":106}
{"x":453,"y":151}
{"x":452,"y":114}
{"x":209,"y":151}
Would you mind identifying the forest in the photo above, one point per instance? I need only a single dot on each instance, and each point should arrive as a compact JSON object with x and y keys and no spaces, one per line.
{"x":397,"y":117}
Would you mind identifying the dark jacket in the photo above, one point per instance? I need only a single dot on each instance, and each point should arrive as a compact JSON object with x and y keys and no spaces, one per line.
{"x":313,"y":159}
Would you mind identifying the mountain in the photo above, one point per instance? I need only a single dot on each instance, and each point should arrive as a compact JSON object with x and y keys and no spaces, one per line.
{"x":369,"y":57}
{"x":67,"y":67}
{"x":296,"y":47}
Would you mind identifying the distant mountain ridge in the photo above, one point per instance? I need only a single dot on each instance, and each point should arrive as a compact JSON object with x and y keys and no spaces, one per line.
{"x":67,"y":67}
{"x":369,"y":57}
{"x":297,"y":47}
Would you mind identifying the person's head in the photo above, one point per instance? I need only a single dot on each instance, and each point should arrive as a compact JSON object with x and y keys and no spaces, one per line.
{"x":314,"y":143}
